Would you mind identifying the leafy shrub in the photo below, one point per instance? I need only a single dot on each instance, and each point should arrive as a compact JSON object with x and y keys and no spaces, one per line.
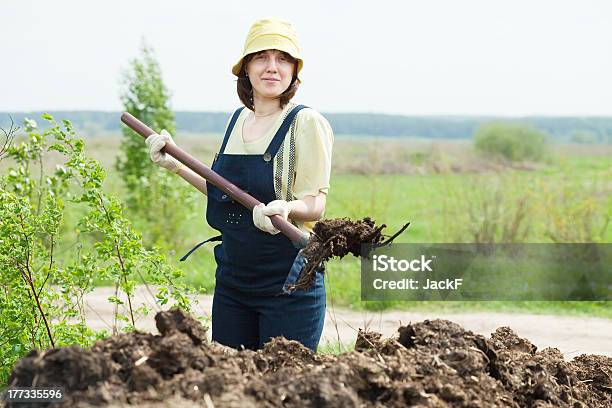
{"x":511,"y":141}
{"x":42,"y":285}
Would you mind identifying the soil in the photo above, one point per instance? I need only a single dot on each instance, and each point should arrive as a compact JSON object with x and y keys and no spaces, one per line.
{"x":434,"y":363}
{"x":339,"y":237}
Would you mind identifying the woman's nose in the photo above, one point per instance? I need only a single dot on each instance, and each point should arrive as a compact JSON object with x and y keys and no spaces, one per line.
{"x":272,"y":66}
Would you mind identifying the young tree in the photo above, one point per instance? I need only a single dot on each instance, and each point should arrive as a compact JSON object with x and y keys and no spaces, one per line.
{"x":152,"y":193}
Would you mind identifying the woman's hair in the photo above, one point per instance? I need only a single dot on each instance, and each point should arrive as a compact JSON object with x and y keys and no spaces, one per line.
{"x":245,"y":89}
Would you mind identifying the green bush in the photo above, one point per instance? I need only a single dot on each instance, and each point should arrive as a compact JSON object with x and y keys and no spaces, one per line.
{"x":511,"y":141}
{"x":47,"y":269}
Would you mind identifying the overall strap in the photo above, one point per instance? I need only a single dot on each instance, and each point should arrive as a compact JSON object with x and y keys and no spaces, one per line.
{"x":230,"y":127}
{"x":217,"y":238}
{"x":277,"y":141}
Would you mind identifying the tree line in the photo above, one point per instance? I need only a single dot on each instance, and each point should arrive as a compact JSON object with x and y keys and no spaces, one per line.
{"x":560,"y":129}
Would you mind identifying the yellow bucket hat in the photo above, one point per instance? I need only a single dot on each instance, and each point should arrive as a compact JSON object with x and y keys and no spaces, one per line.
{"x":268,"y":34}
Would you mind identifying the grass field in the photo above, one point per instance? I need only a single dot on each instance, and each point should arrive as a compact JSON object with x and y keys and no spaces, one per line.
{"x":444,"y":190}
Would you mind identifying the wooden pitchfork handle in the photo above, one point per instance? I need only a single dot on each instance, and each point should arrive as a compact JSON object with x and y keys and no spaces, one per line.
{"x":292,"y":232}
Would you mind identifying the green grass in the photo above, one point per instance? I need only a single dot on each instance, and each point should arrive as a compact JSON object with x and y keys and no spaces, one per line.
{"x":335,"y":348}
{"x":569,"y":197}
{"x":428,"y":202}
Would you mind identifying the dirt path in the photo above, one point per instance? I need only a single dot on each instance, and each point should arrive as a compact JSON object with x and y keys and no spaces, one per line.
{"x":572,"y":335}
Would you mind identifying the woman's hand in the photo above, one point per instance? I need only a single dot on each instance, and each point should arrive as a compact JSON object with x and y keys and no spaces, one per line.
{"x":262,"y":213}
{"x":156,"y":143}
{"x":309,"y":208}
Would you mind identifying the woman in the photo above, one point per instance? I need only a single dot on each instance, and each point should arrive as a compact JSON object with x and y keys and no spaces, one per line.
{"x":280,"y":153}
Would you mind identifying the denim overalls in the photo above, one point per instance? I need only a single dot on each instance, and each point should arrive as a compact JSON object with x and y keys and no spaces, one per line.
{"x":249,"y":304}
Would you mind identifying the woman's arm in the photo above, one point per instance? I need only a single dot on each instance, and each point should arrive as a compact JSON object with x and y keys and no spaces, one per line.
{"x":156,"y":143}
{"x":313,"y":150}
{"x":192,"y":178}
{"x":309,"y":208}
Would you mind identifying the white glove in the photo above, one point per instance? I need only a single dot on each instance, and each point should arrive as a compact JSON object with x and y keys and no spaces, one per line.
{"x":156,"y":143}
{"x":262,"y":213}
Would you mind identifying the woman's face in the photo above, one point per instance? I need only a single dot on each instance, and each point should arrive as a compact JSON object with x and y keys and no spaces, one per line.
{"x":270,"y":72}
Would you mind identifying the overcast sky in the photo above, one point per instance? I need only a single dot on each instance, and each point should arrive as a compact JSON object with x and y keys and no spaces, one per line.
{"x":410,"y":57}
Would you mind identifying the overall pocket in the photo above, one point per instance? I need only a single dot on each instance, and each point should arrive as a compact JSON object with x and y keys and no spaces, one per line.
{"x":222,"y":211}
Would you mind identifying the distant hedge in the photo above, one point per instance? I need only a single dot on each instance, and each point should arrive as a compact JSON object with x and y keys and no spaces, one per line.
{"x":512,"y":141}
{"x":560,"y":129}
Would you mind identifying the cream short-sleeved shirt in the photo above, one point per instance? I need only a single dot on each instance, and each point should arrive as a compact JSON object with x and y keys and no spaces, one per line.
{"x":302,"y":165}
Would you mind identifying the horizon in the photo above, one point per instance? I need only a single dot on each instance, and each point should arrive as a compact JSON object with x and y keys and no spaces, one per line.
{"x":426,"y":115}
